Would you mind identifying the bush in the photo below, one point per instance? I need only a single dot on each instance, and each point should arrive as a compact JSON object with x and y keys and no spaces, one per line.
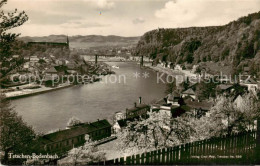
{"x":73,"y":121}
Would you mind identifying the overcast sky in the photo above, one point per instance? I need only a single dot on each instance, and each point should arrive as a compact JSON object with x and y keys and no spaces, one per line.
{"x":124,"y":17}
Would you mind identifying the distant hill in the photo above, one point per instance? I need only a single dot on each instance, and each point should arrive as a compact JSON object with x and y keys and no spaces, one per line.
{"x":87,"y":41}
{"x":232,"y":46}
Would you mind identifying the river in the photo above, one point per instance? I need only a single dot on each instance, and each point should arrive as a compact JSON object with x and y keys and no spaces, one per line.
{"x":52,"y":110}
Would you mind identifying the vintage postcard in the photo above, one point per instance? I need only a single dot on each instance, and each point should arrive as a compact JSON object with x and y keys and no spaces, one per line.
{"x":129,"y":82}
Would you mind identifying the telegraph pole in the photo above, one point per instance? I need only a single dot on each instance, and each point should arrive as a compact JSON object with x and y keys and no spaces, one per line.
{"x":142,"y":61}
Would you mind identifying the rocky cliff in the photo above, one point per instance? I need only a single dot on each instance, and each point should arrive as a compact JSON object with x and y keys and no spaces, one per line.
{"x":234,"y":45}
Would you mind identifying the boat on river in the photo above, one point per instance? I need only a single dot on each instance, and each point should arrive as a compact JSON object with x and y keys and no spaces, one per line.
{"x":115,"y":67}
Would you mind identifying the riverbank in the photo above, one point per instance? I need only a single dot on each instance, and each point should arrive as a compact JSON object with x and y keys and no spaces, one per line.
{"x":172,"y":72}
{"x":23,"y":90}
{"x":31,"y":92}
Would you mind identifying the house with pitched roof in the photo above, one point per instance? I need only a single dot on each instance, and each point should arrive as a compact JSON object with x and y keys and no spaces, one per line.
{"x":169,"y":109}
{"x":189,"y":93}
{"x":199,"y":108}
{"x":50,"y":75}
{"x":137,"y":110}
{"x":251,"y":84}
{"x":167,"y":104}
{"x":224,"y":88}
{"x":52,"y":72}
{"x":173,"y":98}
{"x":64,"y":140}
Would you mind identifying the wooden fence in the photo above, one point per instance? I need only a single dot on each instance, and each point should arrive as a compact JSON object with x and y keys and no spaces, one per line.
{"x":234,"y":149}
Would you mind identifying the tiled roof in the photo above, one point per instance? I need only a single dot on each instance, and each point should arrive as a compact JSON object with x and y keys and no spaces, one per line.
{"x":189,"y":92}
{"x":51,"y":70}
{"x":224,"y":86}
{"x":250,"y":81}
{"x":193,"y":84}
{"x":247,"y":80}
{"x":173,"y":96}
{"x":170,"y":97}
{"x":75,"y":131}
{"x":160,"y":102}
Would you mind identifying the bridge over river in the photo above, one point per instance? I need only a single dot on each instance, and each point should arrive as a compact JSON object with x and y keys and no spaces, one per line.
{"x":109,"y":58}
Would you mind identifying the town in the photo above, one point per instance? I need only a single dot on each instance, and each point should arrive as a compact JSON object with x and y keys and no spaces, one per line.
{"x":39,"y":74}
{"x":190,"y":95}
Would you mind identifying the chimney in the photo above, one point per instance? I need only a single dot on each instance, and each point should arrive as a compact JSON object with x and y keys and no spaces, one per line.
{"x":140,"y":100}
{"x":135,"y":104}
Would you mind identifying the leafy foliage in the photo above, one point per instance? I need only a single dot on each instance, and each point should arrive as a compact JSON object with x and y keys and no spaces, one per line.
{"x":235,"y":116}
{"x":160,"y":130}
{"x":192,"y":45}
{"x":227,"y":117}
{"x":232,"y":44}
{"x":247,"y":50}
{"x":170,"y":87}
{"x":206,"y":89}
{"x":225,"y":53}
{"x":73,"y":121}
{"x":8,"y":21}
{"x":157,"y":131}
{"x":86,"y":154}
{"x":15,"y":135}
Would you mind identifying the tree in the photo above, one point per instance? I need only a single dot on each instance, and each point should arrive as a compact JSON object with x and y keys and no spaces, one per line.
{"x":86,"y":154}
{"x":249,"y":109}
{"x":157,"y":131}
{"x":224,"y":114}
{"x":226,"y":117}
{"x":206,"y":89}
{"x":189,"y":58}
{"x":238,"y":90}
{"x":15,"y":135}
{"x":74,"y":122}
{"x":8,"y":21}
{"x":235,"y":116}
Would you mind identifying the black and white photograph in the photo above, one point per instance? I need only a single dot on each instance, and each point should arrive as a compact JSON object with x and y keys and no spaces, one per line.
{"x":129,"y":82}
